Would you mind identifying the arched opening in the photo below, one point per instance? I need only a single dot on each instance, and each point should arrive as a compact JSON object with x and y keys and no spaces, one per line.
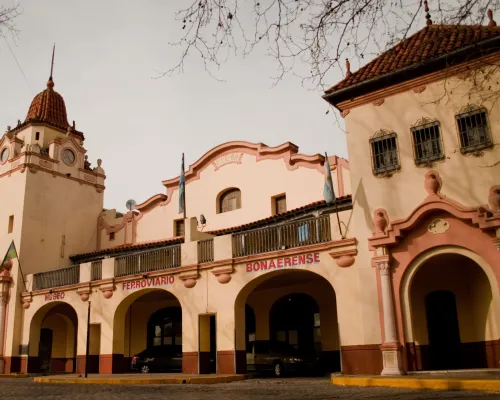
{"x":147,"y":333}
{"x":228,"y":200}
{"x":290,"y":315}
{"x":53,"y":335}
{"x":294,"y":319}
{"x":452,"y":314}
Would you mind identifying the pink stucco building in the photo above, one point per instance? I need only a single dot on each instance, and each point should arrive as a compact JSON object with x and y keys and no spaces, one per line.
{"x":405,"y":279}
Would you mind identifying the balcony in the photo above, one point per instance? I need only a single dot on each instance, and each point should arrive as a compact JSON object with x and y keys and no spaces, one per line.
{"x":147,"y":261}
{"x":281,"y":237}
{"x":55,"y":278}
{"x":198,"y":248}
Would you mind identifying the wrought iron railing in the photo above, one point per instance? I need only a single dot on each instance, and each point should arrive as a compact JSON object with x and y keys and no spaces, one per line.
{"x":56,"y":278}
{"x":206,"y":250}
{"x":280,"y":237}
{"x":152,"y":260}
{"x":96,"y":270}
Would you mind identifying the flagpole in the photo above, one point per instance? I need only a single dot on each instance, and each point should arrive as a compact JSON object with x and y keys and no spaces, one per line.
{"x":332,"y":192}
{"x":184,"y":194}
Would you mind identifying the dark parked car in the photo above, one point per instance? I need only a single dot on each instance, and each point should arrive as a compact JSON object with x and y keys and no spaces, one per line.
{"x":158,"y":358}
{"x":275,"y":357}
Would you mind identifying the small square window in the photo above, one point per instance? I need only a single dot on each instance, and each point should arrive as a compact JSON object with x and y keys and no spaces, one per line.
{"x":280,"y":204}
{"x":384,"y":153}
{"x":473,"y":131}
{"x":179,"y":227}
{"x":10,"y":228}
{"x":112,"y":236}
{"x":427,"y":143}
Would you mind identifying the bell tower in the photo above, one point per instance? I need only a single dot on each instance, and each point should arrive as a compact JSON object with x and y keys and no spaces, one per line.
{"x":52,"y":196}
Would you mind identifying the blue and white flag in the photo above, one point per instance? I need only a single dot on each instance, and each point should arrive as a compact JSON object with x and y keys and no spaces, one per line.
{"x":328,"y":191}
{"x":182,"y":189}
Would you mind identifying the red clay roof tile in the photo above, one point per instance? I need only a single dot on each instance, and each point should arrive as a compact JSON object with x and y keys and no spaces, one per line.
{"x":427,"y":44}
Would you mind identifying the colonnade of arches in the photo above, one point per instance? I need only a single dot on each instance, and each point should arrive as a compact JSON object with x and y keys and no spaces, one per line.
{"x":449,"y":317}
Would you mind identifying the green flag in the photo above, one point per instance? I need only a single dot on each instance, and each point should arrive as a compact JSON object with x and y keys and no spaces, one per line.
{"x":11,"y":253}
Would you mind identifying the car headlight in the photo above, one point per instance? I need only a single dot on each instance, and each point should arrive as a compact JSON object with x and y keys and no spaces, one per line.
{"x":293,"y":360}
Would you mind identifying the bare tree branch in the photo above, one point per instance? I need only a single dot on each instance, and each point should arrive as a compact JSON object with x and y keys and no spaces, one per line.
{"x":308,"y":38}
{"x":7,"y":19}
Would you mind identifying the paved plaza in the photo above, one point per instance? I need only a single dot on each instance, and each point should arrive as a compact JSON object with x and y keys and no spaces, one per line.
{"x":290,"y":389}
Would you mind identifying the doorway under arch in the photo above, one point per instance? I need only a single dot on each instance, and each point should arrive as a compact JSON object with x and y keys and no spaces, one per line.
{"x":53,"y":339}
{"x":294,"y":307}
{"x":143,"y":320}
{"x":452,"y":317}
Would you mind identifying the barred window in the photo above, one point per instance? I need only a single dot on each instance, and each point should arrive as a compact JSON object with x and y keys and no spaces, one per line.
{"x":384,"y":153}
{"x":473,"y":131}
{"x":179,"y":227}
{"x":427,"y":143}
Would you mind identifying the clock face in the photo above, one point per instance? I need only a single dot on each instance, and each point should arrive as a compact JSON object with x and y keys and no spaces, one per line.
{"x":4,"y":155}
{"x":68,"y":157}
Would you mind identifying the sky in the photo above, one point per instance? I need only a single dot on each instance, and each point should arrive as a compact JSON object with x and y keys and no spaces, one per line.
{"x":107,"y":57}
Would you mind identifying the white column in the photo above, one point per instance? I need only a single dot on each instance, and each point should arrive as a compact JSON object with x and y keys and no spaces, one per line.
{"x":391,"y":355}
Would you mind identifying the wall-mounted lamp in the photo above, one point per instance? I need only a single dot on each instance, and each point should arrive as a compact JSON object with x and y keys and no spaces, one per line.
{"x":203,"y":222}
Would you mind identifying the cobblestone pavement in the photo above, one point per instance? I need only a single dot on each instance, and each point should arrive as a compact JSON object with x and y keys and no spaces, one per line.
{"x":290,"y":389}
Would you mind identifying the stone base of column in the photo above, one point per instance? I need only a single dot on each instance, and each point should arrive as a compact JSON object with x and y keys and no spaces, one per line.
{"x":2,"y":365}
{"x":391,"y":359}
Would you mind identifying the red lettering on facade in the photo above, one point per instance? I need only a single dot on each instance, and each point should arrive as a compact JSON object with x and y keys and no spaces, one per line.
{"x":280,"y":263}
{"x":310,"y":258}
{"x":256,"y":266}
{"x":124,"y":285}
{"x":54,"y":296}
{"x":272,"y":264}
{"x":157,"y":281}
{"x":164,"y":280}
{"x":302,"y":260}
{"x":48,"y":297}
{"x":316,"y":257}
{"x":263,"y":265}
{"x":294,"y":260}
{"x":249,"y":267}
{"x":143,"y":284}
{"x":170,"y":279}
{"x":287,"y":261}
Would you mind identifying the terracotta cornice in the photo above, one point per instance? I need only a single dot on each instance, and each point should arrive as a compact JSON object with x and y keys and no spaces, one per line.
{"x":417,"y":82}
{"x":286,"y":151}
{"x":151,"y":203}
{"x":35,"y":167}
{"x":293,"y":251}
{"x":478,"y":216}
{"x":215,"y":264}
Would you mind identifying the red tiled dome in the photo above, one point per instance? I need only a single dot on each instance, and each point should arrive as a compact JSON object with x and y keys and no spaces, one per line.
{"x":48,"y":106}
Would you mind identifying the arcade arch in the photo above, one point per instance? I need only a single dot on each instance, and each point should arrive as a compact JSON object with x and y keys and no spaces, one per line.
{"x":450,"y":315}
{"x":293,"y":306}
{"x":52,"y":343}
{"x":147,"y":318}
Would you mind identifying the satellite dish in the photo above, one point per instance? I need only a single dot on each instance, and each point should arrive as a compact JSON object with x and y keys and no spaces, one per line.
{"x":131,"y":204}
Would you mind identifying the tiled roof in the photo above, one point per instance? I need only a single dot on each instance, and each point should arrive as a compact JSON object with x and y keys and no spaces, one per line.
{"x":429,"y":43}
{"x":341,"y":201}
{"x":126,"y":248}
{"x":48,"y":108}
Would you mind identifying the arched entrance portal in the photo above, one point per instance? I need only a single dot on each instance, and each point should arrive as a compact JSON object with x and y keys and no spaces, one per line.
{"x":294,"y":319}
{"x":148,"y":325}
{"x":452,"y":318}
{"x":291,"y":310}
{"x":52,"y":346}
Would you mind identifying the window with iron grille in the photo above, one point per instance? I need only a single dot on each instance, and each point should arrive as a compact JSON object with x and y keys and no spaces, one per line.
{"x":473,"y":131}
{"x":427,"y":143}
{"x":384,"y":153}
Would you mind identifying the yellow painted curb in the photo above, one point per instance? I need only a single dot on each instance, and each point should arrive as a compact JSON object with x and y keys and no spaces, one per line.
{"x":419,"y":383}
{"x":143,"y":381}
{"x":13,"y":376}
